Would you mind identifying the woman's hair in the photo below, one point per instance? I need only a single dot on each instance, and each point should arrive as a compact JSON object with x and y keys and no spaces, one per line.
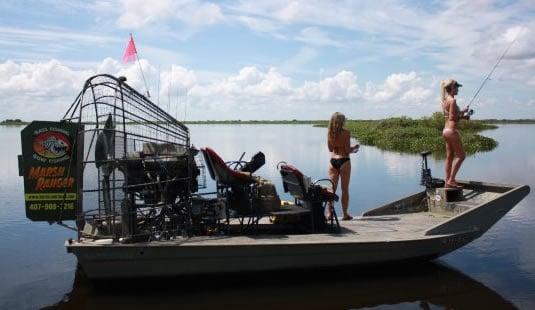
{"x":446,"y":86}
{"x":336,"y":123}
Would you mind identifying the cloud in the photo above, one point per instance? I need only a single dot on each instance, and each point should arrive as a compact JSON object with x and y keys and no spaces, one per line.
{"x":248,"y":89}
{"x":139,"y":13}
{"x":282,"y":58}
{"x":41,"y":79}
{"x":289,"y":12}
{"x":38,"y":90}
{"x":301,"y":61}
{"x":258,"y":24}
{"x":316,"y":36}
{"x":200,"y":14}
{"x":248,"y":83}
{"x":417,"y":95}
{"x":177,"y":81}
{"x":390,"y":88}
{"x":343,"y":86}
{"x":30,"y":43}
{"x":447,"y":33}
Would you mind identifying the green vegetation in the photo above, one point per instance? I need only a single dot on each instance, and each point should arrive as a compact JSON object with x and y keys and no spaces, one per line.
{"x":403,"y":134}
{"x":13,"y":122}
{"x":253,"y":122}
{"x":509,"y":121}
{"x":399,"y":134}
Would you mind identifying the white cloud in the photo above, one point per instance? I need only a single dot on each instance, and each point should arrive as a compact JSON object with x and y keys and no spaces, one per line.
{"x":200,"y":14}
{"x":177,"y":82}
{"x":258,"y":24}
{"x":249,"y":89}
{"x":139,"y":13}
{"x":304,"y":57}
{"x":417,"y":95}
{"x":42,"y":79}
{"x":343,"y":86}
{"x":390,"y":88}
{"x":314,"y":35}
{"x":297,"y":56}
{"x":289,"y":12}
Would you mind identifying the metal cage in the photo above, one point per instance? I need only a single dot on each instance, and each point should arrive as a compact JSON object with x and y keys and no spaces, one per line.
{"x":139,"y":169}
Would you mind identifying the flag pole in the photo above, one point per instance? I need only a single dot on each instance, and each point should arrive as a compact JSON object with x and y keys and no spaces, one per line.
{"x":128,"y":56}
{"x":141,"y":69}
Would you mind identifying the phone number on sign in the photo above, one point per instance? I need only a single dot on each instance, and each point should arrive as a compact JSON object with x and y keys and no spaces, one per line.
{"x":51,"y":206}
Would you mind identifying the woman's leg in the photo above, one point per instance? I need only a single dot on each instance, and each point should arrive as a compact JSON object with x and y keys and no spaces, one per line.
{"x":458,"y":149}
{"x":449,"y":158}
{"x":345,"y":175}
{"x":333,"y":176}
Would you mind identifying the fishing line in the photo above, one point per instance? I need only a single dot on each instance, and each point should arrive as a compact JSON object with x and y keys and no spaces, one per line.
{"x":491,"y":71}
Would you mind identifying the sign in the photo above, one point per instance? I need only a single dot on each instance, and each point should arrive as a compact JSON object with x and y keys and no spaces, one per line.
{"x":49,"y":166}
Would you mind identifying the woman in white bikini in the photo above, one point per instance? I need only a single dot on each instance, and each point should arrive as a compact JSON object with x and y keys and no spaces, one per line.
{"x":338,"y":141}
{"x":452,"y":115}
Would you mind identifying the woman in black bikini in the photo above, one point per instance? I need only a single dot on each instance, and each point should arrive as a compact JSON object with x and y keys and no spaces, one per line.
{"x":338,"y":141}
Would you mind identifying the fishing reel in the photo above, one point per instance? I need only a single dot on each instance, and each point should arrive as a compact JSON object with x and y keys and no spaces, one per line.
{"x":467,"y":114}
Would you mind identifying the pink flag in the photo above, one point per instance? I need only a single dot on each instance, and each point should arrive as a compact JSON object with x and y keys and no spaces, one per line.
{"x":130,"y":51}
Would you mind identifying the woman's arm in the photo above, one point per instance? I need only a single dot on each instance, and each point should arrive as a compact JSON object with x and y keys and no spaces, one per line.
{"x":347,"y":140}
{"x":348,"y":149}
{"x":453,"y":114}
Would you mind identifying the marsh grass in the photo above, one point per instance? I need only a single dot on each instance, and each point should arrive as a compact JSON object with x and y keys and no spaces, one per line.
{"x":407,"y":135}
{"x":398,"y":134}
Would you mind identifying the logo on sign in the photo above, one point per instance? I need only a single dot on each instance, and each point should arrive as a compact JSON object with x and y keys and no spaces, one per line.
{"x":51,"y":145}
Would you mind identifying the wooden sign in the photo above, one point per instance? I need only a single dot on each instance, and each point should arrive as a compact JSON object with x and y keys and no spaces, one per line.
{"x":49,"y":166}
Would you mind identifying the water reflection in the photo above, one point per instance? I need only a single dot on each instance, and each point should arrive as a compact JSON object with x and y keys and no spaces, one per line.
{"x":37,"y":271}
{"x":424,"y":286}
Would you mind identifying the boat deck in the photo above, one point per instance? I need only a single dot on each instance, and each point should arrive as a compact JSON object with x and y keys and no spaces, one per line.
{"x":363,"y":229}
{"x":379,"y":227}
{"x":360,"y":229}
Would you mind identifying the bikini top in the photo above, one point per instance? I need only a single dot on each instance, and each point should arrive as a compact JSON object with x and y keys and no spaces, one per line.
{"x":445,"y":111}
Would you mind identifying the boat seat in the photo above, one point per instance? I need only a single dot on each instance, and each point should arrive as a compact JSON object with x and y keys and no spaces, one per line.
{"x":236,"y":186}
{"x":310,"y":195}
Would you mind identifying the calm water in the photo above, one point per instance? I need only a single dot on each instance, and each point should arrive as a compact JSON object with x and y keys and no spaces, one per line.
{"x":497,"y":271}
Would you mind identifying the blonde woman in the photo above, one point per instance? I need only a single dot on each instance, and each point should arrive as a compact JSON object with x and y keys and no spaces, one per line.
{"x":452,"y":115}
{"x":338,"y":141}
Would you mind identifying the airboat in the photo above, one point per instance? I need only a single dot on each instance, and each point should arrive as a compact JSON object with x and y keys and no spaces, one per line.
{"x":124,"y":174}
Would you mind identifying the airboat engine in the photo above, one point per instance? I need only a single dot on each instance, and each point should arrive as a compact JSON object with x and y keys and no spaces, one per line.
{"x":162,"y":172}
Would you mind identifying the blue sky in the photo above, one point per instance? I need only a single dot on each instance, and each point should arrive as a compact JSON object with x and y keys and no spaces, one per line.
{"x":272,"y":59}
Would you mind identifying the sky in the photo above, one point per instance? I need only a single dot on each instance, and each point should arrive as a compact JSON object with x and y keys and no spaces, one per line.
{"x":272,"y":59}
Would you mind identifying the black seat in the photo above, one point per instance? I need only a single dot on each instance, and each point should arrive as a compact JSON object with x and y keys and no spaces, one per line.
{"x":310,"y":195}
{"x":235,"y":186}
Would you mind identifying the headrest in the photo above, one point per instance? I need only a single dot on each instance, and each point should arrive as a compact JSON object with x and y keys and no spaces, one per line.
{"x":291,"y":169}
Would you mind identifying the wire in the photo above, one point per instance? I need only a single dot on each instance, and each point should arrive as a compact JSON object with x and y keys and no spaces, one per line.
{"x":491,"y":71}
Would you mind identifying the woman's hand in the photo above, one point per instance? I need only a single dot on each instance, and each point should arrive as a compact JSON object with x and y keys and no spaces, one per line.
{"x":464,"y":113}
{"x":355,"y":148}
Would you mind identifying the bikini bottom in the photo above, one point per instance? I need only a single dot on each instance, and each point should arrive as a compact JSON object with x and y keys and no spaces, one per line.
{"x":448,"y":130}
{"x":338,"y":162}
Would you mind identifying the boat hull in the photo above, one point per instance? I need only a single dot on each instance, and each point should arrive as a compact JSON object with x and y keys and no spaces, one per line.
{"x":119,"y":261}
{"x":399,"y":231}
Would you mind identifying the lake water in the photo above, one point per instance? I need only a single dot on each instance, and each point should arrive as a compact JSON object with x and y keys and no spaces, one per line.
{"x":496,"y":271}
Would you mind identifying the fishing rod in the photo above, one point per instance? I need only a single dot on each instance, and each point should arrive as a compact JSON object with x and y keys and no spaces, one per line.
{"x":470,"y":112}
